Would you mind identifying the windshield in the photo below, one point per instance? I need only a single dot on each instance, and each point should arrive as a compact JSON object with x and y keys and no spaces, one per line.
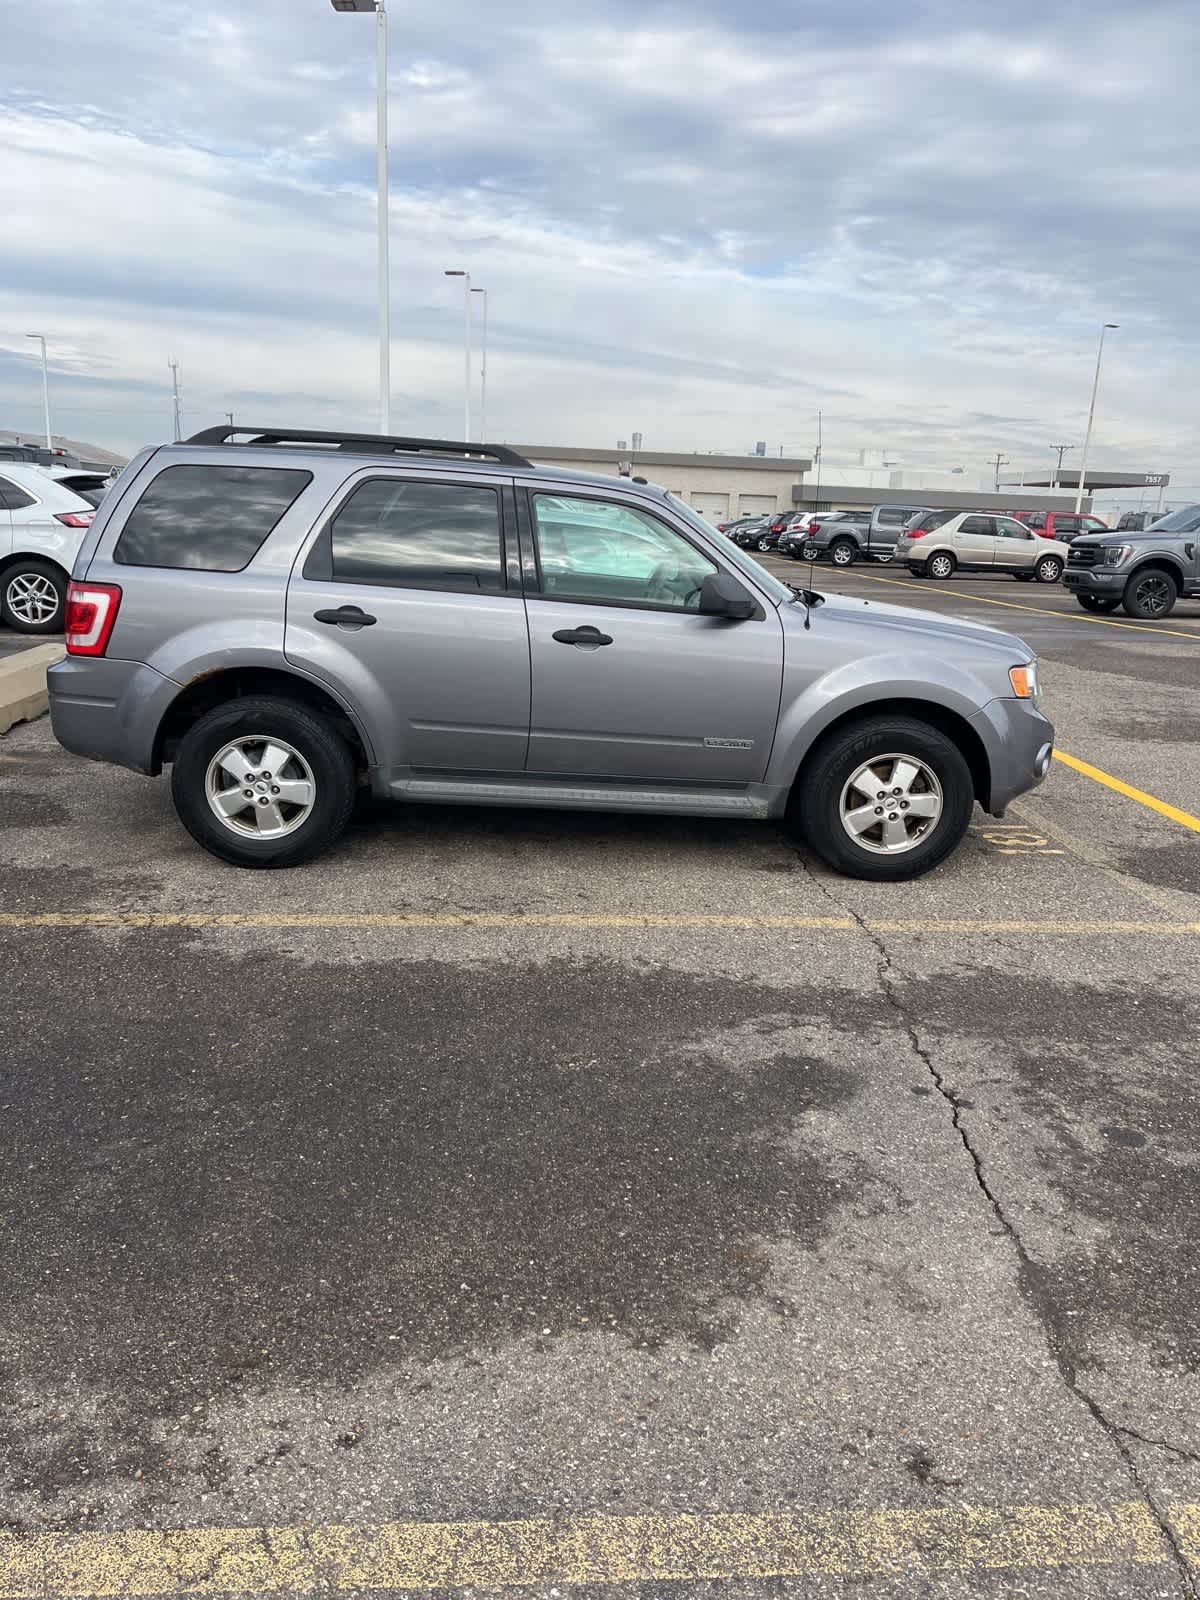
{"x":1185,"y":520}
{"x":730,"y":552}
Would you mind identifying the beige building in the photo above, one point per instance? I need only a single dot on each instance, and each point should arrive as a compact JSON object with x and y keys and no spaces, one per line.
{"x":719,"y":487}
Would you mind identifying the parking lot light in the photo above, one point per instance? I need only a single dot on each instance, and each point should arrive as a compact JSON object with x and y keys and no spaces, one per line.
{"x":381,"y":201}
{"x":1087,"y":438}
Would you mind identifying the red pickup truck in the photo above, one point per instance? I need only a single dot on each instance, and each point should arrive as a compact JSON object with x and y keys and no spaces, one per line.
{"x":1064,"y":525}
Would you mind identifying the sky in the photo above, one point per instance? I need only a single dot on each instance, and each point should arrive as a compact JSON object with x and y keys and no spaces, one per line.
{"x":703,"y":221}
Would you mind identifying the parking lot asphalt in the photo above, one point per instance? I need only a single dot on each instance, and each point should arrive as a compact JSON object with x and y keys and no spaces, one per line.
{"x":621,"y":1205}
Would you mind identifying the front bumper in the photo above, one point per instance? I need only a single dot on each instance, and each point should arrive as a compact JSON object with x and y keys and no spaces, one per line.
{"x":1094,"y":580}
{"x":109,"y":710}
{"x":1019,"y":742}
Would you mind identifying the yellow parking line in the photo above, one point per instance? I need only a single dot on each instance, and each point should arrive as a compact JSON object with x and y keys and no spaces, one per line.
{"x":567,"y":919}
{"x":1041,"y":611}
{"x":403,"y":1556}
{"x":1183,"y":818}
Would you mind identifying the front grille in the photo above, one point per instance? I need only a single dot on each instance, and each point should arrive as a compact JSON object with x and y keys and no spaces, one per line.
{"x":1083,"y":555}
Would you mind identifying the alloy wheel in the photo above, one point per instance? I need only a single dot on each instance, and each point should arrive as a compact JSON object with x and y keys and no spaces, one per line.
{"x":1153,"y":594}
{"x":891,"y":803}
{"x":260,"y":787}
{"x":31,"y":598}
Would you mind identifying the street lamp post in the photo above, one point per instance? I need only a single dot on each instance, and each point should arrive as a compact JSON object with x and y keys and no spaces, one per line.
{"x":466,"y":278}
{"x":381,"y":200}
{"x":41,"y":339}
{"x":483,"y":433}
{"x":1087,"y":438}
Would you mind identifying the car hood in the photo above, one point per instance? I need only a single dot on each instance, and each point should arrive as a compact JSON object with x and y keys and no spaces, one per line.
{"x":905,"y":623}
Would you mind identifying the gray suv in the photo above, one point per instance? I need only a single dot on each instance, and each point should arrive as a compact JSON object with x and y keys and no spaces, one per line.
{"x":287,"y":617}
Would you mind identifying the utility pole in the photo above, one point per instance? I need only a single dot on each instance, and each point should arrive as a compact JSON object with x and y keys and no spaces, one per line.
{"x":1000,"y":461}
{"x":174,"y":369}
{"x":229,"y":414}
{"x":817,"y":464}
{"x":1061,"y":450}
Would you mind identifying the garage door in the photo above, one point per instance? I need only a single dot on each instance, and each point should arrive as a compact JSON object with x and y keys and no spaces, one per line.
{"x":756,"y":505}
{"x":713,"y":506}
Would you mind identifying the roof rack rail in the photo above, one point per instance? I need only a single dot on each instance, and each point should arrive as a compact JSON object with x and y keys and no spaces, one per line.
{"x":367,"y":443}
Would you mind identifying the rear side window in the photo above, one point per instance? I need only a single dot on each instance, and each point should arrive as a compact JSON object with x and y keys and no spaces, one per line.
{"x":207,"y":519}
{"x":418,"y":536}
{"x":12,"y":498}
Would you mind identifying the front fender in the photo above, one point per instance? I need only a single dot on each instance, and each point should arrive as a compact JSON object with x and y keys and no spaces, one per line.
{"x":860,"y":685}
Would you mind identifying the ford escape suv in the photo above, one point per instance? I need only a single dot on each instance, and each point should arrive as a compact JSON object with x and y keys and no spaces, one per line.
{"x":283,"y":617}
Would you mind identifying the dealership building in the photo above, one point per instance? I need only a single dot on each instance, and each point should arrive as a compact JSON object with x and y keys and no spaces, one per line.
{"x":722,"y":487}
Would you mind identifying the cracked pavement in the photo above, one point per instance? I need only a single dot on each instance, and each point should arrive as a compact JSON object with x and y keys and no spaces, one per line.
{"x":311,"y":1225}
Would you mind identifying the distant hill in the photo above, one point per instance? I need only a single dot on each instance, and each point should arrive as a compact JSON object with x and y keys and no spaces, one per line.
{"x":78,"y":447}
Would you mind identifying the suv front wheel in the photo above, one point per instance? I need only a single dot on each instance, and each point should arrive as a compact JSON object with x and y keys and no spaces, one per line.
{"x":885,"y":799}
{"x":263,"y":782}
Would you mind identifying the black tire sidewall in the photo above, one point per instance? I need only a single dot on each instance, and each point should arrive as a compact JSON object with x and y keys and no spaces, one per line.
{"x":846,"y":545}
{"x":815,"y":801}
{"x":39,"y":569}
{"x":321,"y":746}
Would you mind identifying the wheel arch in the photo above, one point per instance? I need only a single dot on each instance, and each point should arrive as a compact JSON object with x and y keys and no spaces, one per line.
{"x":17,"y":556}
{"x":1160,"y":563}
{"x":952,"y":723}
{"x":214,"y":689}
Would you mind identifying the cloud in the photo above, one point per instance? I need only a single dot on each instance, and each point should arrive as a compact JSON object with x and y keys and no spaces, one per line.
{"x":701,"y":221}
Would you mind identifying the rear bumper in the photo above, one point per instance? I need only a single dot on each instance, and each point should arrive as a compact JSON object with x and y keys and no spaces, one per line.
{"x":109,"y":710}
{"x":1019,"y":742}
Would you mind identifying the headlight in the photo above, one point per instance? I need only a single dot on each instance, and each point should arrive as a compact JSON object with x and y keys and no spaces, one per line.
{"x":1024,"y":682}
{"x":1112,"y":555}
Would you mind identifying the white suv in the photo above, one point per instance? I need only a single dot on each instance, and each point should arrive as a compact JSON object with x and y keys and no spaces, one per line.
{"x":42,"y":524}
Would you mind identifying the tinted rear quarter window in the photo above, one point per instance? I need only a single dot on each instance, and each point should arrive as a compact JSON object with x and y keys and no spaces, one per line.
{"x":207,"y":518}
{"x":418,"y":535}
{"x":12,"y":498}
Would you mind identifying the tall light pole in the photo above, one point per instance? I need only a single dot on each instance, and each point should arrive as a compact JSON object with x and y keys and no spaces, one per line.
{"x":381,"y":201}
{"x":466,"y":278}
{"x":41,"y":339}
{"x":483,"y":370}
{"x":174,"y":368}
{"x":1087,"y":438}
{"x":1061,"y":450}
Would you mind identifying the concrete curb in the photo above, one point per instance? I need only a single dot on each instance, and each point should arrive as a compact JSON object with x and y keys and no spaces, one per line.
{"x":23,"y":683}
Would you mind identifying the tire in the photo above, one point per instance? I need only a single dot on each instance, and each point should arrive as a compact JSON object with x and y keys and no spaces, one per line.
{"x":33,"y":596}
{"x":1095,"y":602}
{"x":842,"y":552}
{"x":941,"y":565}
{"x":1150,"y":595}
{"x":823,"y":790}
{"x":885,"y":557}
{"x":918,"y":569}
{"x":271,"y":722}
{"x":810,"y":552}
{"x":764,"y":544}
{"x":1049,"y":569}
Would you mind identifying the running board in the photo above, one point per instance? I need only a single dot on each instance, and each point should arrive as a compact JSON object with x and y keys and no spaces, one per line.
{"x":752,"y":802}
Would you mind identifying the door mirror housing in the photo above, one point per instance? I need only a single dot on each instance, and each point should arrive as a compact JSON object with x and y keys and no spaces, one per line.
{"x":721,"y":595}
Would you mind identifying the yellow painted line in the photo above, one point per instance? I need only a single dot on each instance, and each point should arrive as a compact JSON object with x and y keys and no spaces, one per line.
{"x":1183,"y":818}
{"x":570,"y":920}
{"x":1015,"y":605}
{"x":404,"y":1556}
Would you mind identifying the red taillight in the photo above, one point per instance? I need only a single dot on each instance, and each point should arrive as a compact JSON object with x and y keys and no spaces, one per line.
{"x":91,"y":612}
{"x":915,"y":533}
{"x":75,"y":519}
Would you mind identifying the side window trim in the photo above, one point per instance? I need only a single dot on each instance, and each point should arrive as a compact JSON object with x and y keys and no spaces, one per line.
{"x":528,"y":492}
{"x":316,"y":566}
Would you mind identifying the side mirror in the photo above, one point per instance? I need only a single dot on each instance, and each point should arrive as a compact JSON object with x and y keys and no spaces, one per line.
{"x":723,"y":596}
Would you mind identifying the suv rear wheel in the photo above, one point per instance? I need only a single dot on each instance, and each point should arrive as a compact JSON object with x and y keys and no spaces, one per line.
{"x":263,"y":782}
{"x":941,"y":565}
{"x":886,"y":798}
{"x":1049,"y":569}
{"x":842,"y":552}
{"x":1150,"y":594}
{"x":33,"y":596}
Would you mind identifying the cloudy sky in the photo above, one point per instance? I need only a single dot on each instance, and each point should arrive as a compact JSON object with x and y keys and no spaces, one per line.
{"x":703,"y":220}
